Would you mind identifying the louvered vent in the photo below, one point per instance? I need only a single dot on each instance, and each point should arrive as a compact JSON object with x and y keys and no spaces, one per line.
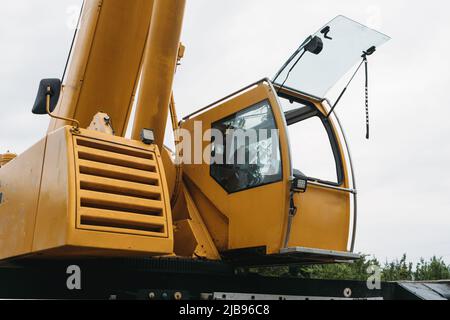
{"x":119,"y":189}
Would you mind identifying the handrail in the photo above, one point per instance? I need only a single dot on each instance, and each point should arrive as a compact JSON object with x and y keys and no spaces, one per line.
{"x":326,"y":186}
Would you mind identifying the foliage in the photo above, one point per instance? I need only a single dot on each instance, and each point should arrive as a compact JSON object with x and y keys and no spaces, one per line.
{"x":397,"y":270}
{"x":432,"y":270}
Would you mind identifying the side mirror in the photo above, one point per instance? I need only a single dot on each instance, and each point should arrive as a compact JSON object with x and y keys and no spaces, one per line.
{"x":40,"y":105}
{"x":300,"y":182}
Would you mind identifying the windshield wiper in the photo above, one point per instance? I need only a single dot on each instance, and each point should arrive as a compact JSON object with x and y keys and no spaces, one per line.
{"x":313,"y":45}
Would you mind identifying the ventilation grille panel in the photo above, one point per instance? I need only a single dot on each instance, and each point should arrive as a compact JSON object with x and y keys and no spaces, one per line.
{"x":119,"y":189}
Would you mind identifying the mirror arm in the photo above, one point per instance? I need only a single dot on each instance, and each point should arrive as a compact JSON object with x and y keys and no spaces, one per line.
{"x":76,"y":127}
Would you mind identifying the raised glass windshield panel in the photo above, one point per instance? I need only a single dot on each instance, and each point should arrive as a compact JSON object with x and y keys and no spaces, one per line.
{"x":343,"y":47}
{"x":311,"y":150}
{"x":245,"y":149}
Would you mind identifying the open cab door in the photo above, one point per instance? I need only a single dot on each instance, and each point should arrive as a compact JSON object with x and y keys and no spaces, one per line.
{"x":276,"y":186}
{"x":325,"y":216}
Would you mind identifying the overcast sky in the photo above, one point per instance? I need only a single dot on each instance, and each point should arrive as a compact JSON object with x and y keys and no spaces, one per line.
{"x":403,"y":174}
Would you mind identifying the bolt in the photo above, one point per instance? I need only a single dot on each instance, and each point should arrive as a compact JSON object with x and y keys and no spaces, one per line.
{"x":348,"y":293}
{"x":178,"y":295}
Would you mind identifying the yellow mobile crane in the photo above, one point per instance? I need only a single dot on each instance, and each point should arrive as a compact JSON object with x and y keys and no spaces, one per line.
{"x":86,"y":191}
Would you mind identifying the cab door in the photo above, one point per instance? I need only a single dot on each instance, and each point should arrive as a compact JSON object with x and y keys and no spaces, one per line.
{"x":323,"y":218}
{"x":244,"y":204}
{"x":304,"y":82}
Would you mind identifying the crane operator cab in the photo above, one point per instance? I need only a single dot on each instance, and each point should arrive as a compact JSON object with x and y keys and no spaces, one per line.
{"x":278,"y":186}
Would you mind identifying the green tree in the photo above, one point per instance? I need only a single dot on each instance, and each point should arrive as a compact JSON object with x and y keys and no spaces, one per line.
{"x":435,"y":269}
{"x":397,"y":270}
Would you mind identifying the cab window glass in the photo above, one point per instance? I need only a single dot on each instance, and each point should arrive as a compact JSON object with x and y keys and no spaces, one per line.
{"x":248,"y":155}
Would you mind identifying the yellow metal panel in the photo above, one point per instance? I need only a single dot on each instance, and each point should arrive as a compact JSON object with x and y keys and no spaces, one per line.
{"x":185,"y":241}
{"x":322,"y":221}
{"x":19,"y":183}
{"x":122,"y":217}
{"x":107,"y":243}
{"x":131,"y":203}
{"x":103,"y":141}
{"x":6,"y":158}
{"x":204,"y":247}
{"x":122,"y":222}
{"x":56,"y":210}
{"x":115,"y":159}
{"x":170,"y":170}
{"x":119,"y":186}
{"x":216,"y":222}
{"x":112,"y":171}
{"x":109,"y":225}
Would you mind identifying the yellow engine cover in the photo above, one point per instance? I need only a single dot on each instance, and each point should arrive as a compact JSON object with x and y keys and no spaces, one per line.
{"x":87,"y":194}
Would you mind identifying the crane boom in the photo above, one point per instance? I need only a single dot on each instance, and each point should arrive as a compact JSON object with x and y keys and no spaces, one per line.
{"x":159,"y":68}
{"x":104,"y":66}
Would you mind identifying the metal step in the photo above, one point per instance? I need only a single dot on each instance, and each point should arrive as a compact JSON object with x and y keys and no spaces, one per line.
{"x":319,"y":255}
{"x":253,"y":257}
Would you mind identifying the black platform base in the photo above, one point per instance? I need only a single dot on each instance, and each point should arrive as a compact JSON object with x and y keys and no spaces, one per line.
{"x":168,"y":279}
